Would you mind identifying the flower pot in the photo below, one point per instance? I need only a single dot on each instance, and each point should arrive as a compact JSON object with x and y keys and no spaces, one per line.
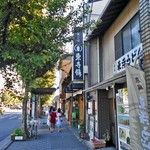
{"x":108,"y":143}
{"x":98,"y":143}
{"x":82,"y":135}
{"x":18,"y":138}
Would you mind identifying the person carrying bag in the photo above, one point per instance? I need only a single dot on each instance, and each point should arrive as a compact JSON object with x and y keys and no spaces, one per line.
{"x":49,"y":118}
{"x":59,"y":120}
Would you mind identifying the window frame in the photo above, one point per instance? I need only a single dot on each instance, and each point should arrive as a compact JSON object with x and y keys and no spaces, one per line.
{"x":119,"y":48}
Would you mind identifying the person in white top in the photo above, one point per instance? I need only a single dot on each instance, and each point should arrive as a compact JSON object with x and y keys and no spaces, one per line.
{"x":59,"y":120}
{"x":49,"y":117}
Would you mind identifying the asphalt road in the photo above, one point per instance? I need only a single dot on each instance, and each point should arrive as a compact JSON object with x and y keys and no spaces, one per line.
{"x":8,"y":122}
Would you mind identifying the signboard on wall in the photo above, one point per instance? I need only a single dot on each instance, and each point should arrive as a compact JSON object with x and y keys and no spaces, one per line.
{"x":138,"y":109}
{"x":78,"y":55}
{"x":127,"y":59}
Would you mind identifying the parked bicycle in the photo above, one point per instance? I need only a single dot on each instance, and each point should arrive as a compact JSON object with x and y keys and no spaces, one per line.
{"x":32,"y":128}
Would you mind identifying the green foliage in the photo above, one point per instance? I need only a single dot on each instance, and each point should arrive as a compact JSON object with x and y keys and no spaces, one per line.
{"x":106,"y":135}
{"x":46,"y":99}
{"x":18,"y":132}
{"x":33,"y":33}
{"x":47,"y":80}
{"x":82,"y":124}
{"x":10,"y":98}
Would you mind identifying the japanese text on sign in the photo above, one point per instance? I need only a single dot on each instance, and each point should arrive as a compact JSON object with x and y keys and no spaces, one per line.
{"x":144,"y":119}
{"x":127,"y":59}
{"x":78,"y":56}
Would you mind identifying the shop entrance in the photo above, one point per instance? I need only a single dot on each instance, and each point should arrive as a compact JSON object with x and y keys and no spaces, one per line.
{"x":106,"y":115}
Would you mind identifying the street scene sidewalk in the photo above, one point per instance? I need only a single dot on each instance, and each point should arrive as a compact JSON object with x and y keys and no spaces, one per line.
{"x":67,"y":139}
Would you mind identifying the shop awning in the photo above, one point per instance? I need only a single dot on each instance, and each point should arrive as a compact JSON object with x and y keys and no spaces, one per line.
{"x":121,"y":78}
{"x":74,"y":87}
{"x":43,"y":91}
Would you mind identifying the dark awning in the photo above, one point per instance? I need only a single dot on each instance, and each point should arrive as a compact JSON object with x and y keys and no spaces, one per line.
{"x":74,"y":87}
{"x":43,"y":91}
{"x":68,"y":90}
{"x":108,"y":16}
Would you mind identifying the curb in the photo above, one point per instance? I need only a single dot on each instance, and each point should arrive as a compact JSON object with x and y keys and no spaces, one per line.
{"x":5,"y":143}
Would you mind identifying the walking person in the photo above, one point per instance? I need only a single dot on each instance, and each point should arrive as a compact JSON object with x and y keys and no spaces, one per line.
{"x":59,"y":119}
{"x":53,"y":119}
{"x":49,"y":117}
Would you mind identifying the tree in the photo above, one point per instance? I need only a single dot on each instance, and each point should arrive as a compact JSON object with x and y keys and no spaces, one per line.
{"x":9,"y":98}
{"x":32,"y":35}
{"x":47,"y":81}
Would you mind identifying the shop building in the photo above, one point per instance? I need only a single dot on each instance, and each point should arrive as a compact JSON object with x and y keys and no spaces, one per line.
{"x":64,"y":78}
{"x":114,"y":44}
{"x":70,"y":98}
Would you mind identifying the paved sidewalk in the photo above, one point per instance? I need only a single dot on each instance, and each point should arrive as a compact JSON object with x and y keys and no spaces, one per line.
{"x":68,"y":139}
{"x":65,"y":140}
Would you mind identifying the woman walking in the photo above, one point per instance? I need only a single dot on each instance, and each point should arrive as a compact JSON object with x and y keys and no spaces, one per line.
{"x":53,"y":120}
{"x":59,"y":120}
{"x":49,"y":117}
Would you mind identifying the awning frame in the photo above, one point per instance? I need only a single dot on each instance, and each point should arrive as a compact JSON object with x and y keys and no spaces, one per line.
{"x":120,"y":78}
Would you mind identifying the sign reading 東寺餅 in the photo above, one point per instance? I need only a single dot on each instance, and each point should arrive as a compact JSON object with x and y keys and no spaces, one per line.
{"x":78,"y":55}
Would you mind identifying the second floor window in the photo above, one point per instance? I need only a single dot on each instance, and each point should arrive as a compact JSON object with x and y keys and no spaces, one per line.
{"x":128,"y":38}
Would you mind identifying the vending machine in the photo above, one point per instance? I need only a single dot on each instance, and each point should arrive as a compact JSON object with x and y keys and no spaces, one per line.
{"x":123,"y":119}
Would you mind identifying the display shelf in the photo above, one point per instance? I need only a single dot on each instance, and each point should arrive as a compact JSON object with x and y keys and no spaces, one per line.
{"x":122,"y":104}
{"x":123,"y":119}
{"x":124,"y":134}
{"x":124,"y":146}
{"x":126,"y":115}
{"x":124,"y":126}
{"x":124,"y":142}
{"x":123,"y":109}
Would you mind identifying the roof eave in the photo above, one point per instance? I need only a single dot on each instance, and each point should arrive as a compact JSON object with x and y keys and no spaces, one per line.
{"x":108,"y":16}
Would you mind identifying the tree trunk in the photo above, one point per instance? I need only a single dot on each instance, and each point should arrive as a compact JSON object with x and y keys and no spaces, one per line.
{"x":24,"y":111}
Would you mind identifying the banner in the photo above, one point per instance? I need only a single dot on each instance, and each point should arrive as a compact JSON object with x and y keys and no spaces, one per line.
{"x":138,"y":110}
{"x":78,"y":55}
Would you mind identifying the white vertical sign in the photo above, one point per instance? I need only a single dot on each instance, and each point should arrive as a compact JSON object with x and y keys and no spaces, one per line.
{"x":138,"y":110}
{"x":33,"y":109}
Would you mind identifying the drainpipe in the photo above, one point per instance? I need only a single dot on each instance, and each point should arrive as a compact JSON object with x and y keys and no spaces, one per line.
{"x":149,"y":5}
{"x":98,"y":59}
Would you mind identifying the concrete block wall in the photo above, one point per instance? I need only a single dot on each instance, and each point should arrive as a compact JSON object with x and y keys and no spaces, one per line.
{"x":144,"y":6}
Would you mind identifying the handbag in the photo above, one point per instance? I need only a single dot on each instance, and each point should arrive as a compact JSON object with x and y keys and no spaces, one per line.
{"x":49,"y":117}
{"x":61,"y":119}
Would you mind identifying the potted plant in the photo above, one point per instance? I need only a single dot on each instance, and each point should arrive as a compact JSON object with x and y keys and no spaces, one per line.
{"x":18,"y":134}
{"x":106,"y":136}
{"x":82,"y":129}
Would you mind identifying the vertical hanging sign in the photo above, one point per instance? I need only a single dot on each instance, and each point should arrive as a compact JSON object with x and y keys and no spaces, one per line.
{"x":78,"y":55}
{"x":138,"y":109}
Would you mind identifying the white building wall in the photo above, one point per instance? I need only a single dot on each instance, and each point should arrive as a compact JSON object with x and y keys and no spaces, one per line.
{"x":97,"y":9}
{"x":94,"y":61}
{"x":108,"y":39}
